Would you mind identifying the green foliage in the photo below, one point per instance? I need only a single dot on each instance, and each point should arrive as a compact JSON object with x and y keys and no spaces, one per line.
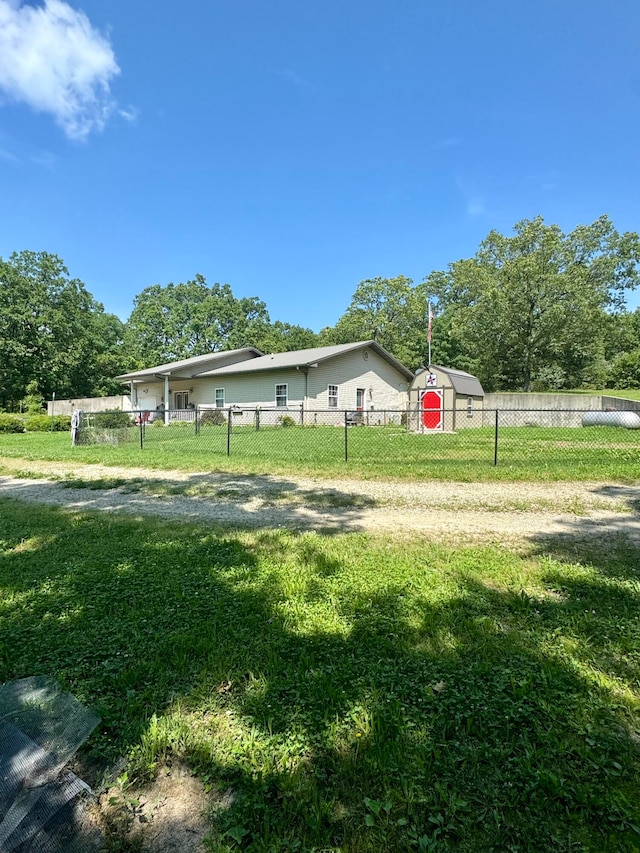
{"x":212,"y":417}
{"x":286,"y":421}
{"x":54,"y":336}
{"x":355,"y":693}
{"x":182,"y":320}
{"x":11,"y":423}
{"x":527,"y":310}
{"x":111,"y":419}
{"x":285,"y":337}
{"x":33,"y":403}
{"x":389,"y":311}
{"x":45,"y":423}
{"x":625,"y":370}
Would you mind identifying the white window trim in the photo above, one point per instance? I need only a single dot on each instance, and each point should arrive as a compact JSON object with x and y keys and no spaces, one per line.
{"x":215,"y":398}
{"x":333,"y":396}
{"x":284,"y":385}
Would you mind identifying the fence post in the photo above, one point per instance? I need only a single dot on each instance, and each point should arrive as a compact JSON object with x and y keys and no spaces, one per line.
{"x":346,"y":439}
{"x":141,"y":431}
{"x":197,"y":422}
{"x":495,"y":442}
{"x":229,"y":432}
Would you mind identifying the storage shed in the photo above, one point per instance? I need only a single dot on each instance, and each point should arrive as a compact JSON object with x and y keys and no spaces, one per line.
{"x":442,"y":399}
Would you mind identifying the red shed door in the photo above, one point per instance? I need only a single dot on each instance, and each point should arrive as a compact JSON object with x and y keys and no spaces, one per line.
{"x":431,"y":404}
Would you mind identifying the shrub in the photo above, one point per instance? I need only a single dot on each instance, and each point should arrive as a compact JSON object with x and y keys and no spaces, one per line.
{"x":212,"y":417}
{"x":625,"y":371}
{"x":43,"y":423}
{"x":286,"y":421}
{"x":11,"y":423}
{"x":112,"y":419}
{"x":33,"y":403}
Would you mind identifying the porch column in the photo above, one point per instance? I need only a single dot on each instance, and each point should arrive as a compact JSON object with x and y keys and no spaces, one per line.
{"x":166,"y":399}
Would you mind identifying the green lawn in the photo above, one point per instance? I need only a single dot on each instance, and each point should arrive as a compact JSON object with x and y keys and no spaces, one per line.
{"x":355,"y":694}
{"x":523,"y":453}
{"x":625,"y":394}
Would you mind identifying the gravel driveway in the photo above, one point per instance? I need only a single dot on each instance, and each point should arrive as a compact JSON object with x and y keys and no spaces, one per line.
{"x":468,"y":510}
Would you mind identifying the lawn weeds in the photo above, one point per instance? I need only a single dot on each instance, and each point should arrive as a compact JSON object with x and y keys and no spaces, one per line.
{"x":524,"y":453}
{"x":354,"y":694}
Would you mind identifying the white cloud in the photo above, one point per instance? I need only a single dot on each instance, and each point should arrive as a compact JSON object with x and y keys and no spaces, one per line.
{"x":52,"y":59}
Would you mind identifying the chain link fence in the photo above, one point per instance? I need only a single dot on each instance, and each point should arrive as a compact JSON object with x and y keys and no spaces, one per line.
{"x":381,"y":440}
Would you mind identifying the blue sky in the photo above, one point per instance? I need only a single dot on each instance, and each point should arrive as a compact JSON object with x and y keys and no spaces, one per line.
{"x":293,"y":148}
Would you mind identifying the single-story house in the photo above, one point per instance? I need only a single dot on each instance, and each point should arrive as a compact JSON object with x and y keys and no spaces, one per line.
{"x":359,"y":377}
{"x":442,"y":399}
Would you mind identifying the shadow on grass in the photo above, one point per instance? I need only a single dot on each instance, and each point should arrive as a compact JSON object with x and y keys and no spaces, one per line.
{"x":353,"y":697}
{"x":626,"y":494}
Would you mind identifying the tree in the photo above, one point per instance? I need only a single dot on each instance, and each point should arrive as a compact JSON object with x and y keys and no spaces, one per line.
{"x":625,"y":370}
{"x":182,"y":320}
{"x":390,"y":311}
{"x":527,"y":310}
{"x":285,"y":337}
{"x":110,"y":356}
{"x":50,"y":330}
{"x":33,"y":402}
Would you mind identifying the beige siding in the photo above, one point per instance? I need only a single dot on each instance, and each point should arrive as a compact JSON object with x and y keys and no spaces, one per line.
{"x":384,"y":387}
{"x":256,"y":389}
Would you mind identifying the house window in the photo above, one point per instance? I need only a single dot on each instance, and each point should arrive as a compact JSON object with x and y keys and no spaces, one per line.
{"x":333,"y":396}
{"x":220,"y":398}
{"x":281,"y":395}
{"x":181,"y":400}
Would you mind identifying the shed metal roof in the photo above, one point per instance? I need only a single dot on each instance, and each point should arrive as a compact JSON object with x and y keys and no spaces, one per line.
{"x":307,"y":358}
{"x":191,"y":367}
{"x":463,"y":383}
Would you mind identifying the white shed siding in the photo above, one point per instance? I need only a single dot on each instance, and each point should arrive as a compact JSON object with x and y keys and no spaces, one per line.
{"x":456,"y":412}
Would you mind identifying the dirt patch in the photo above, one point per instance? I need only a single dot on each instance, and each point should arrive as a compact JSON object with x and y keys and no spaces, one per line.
{"x":170,"y":815}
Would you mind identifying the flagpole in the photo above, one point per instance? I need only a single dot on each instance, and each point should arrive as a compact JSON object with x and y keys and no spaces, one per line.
{"x":429,"y":332}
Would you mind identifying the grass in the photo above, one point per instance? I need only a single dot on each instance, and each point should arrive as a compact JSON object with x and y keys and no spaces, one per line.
{"x":355,"y":694}
{"x":625,"y":393}
{"x":524,"y":453}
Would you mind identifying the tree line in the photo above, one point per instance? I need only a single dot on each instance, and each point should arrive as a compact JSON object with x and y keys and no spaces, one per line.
{"x":535,"y":310}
